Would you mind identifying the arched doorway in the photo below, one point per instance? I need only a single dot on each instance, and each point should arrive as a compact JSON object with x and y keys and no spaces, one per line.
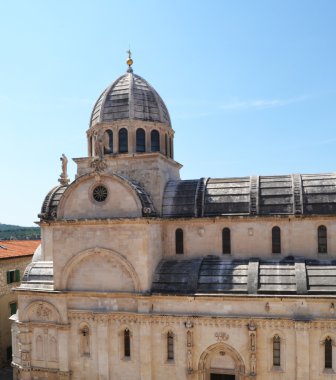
{"x":221,"y":362}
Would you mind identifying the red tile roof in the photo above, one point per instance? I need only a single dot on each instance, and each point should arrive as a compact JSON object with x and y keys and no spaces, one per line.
{"x":17,"y":248}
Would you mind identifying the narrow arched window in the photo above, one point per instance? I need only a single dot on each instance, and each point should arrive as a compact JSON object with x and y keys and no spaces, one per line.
{"x":170,"y":148}
{"x":322,"y":239}
{"x":276,"y":240}
{"x":226,"y":240}
{"x":140,"y":140}
{"x":108,"y":146}
{"x":170,"y":345}
{"x":276,"y":351}
{"x":179,"y":241}
{"x":155,"y":141}
{"x":328,"y":353}
{"x":123,"y":140}
{"x":127,"y":343}
{"x":85,"y":341}
{"x":166,"y":145}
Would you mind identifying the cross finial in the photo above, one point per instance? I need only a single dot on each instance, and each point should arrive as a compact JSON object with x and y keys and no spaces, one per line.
{"x":129,"y":61}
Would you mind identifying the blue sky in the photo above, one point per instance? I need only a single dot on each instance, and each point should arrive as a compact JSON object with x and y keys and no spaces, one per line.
{"x":250,"y":85}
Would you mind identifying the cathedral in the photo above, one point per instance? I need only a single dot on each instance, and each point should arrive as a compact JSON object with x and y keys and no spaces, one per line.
{"x":143,"y":276}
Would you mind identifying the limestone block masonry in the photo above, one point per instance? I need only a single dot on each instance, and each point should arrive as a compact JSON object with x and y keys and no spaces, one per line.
{"x":144,"y":276}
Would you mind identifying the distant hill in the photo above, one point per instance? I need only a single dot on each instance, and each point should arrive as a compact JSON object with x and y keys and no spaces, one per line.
{"x":11,"y":232}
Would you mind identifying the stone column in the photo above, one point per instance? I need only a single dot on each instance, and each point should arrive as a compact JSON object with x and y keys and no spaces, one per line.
{"x":102,"y":345}
{"x":145,"y":350}
{"x":302,"y":350}
{"x":252,"y":344}
{"x":189,"y":326}
{"x":25,"y":337}
{"x":89,"y":141}
{"x":63,"y":350}
{"x":148,"y":139}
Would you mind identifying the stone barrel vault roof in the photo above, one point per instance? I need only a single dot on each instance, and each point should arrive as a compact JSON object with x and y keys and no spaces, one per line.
{"x":38,"y":275}
{"x":296,"y":194}
{"x":130,"y":97}
{"x":217,"y":275}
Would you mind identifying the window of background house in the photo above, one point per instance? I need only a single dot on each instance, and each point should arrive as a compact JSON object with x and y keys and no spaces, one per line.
{"x":12,"y":308}
{"x":13,"y":276}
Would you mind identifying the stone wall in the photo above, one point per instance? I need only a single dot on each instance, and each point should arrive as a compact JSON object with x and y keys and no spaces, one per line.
{"x":6,"y":298}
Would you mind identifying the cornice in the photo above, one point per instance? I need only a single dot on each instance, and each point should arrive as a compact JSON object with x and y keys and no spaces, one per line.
{"x":215,"y":322}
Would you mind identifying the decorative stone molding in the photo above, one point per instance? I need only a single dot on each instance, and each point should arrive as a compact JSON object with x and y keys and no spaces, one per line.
{"x":221,"y":349}
{"x":221,"y":336}
{"x":189,"y":324}
{"x":119,"y":258}
{"x":41,"y":312}
{"x":215,"y":322}
{"x":98,"y":165}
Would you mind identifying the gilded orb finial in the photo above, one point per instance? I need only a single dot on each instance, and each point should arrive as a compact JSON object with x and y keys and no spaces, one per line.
{"x":129,"y":61}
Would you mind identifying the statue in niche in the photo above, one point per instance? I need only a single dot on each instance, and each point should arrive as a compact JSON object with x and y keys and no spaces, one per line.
{"x":189,"y":361}
{"x":252,"y":342}
{"x":253,"y":363}
{"x":99,"y":146}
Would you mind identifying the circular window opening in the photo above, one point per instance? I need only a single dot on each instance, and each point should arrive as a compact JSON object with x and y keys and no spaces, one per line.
{"x":99,"y":193}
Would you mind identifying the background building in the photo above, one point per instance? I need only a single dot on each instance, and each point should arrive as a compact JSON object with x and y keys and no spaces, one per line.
{"x":15,"y":255}
{"x":142,"y":275}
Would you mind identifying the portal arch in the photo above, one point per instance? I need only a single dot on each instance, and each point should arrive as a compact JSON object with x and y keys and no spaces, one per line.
{"x":220,"y":358}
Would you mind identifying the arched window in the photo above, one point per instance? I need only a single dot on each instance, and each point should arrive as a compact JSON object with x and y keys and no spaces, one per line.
{"x":328,"y":353}
{"x":170,"y":345}
{"x":140,"y":140}
{"x":123,"y":140}
{"x":276,"y":351}
{"x":226,"y":240}
{"x":179,"y":241}
{"x":166,"y":145}
{"x":108,"y":146}
{"x":322,"y":239}
{"x":155,"y":141}
{"x":85,"y":341}
{"x":276,"y":240}
{"x":170,"y":148}
{"x":127,"y":343}
{"x":53,"y":349}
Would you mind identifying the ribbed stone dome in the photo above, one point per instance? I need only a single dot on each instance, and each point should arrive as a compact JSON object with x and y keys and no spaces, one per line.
{"x":130,"y":97}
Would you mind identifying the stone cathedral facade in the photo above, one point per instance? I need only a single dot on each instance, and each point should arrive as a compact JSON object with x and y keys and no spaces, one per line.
{"x":142,"y":275}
